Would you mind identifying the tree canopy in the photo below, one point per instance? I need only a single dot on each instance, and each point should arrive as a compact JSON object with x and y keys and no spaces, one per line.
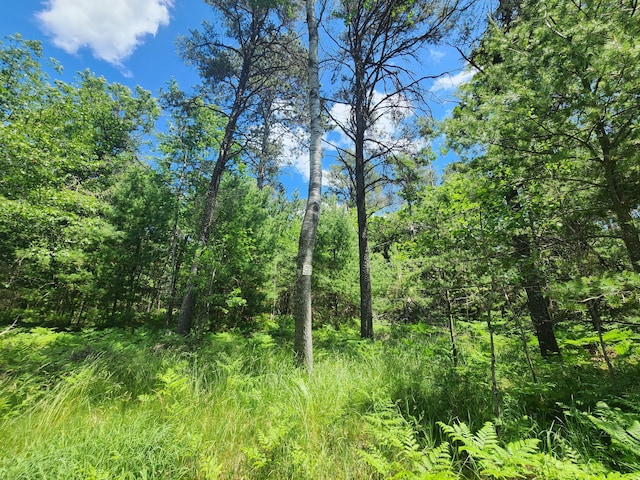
{"x":504,"y":286}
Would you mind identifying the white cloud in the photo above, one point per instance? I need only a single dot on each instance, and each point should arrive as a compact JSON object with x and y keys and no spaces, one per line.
{"x":392,"y":111}
{"x":295,"y":151}
{"x":112,"y":29}
{"x":387,"y":130}
{"x":436,"y":55}
{"x":340,"y":114}
{"x":449,"y":82}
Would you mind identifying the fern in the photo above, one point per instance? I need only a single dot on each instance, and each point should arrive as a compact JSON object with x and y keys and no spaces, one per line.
{"x":380,"y":463}
{"x":396,"y":453}
{"x":486,"y":438}
{"x":516,"y":460}
{"x":486,"y":458}
{"x":623,"y":429}
{"x":483,"y":453}
{"x":459,"y":432}
{"x":436,"y":461}
{"x":174,"y":384}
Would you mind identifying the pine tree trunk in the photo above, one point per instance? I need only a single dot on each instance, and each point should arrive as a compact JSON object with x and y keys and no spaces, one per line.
{"x":620,"y":207}
{"x":366,"y":309}
{"x":226,"y":153}
{"x":538,"y":306}
{"x":188,"y":307}
{"x":537,"y":303}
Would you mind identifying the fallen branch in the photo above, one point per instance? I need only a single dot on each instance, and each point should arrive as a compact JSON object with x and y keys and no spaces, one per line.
{"x":9,"y":327}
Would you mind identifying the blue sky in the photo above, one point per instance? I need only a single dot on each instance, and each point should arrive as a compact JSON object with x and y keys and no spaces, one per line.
{"x":127,"y":41}
{"x":133,"y":42}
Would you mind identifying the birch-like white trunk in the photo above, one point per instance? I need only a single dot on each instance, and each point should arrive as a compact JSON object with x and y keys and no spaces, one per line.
{"x":303,"y":346}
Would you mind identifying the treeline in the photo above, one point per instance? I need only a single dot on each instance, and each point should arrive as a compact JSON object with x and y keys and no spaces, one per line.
{"x":102,"y":212}
{"x":98,"y":228}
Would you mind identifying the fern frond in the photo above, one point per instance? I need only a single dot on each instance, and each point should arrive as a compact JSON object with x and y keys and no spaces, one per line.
{"x":376,"y":460}
{"x":486,"y":438}
{"x":523,"y":448}
{"x":622,"y":428}
{"x":459,"y":432}
{"x":410,"y":442}
{"x":437,"y":459}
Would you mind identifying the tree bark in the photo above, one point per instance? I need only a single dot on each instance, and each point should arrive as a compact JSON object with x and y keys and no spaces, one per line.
{"x":187,"y":309}
{"x":366,"y":307}
{"x":620,"y":207}
{"x":303,"y":345}
{"x":366,"y":310}
{"x":538,"y":306}
{"x":262,"y":164}
{"x":537,"y":303}
{"x":226,"y":153}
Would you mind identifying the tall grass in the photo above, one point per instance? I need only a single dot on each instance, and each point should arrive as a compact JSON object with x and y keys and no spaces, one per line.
{"x":115,"y":404}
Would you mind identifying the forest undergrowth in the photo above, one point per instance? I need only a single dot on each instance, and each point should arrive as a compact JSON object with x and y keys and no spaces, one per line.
{"x":143,"y":404}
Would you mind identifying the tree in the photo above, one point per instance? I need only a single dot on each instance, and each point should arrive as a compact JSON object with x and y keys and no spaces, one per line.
{"x":533,"y":281}
{"x":132,"y":264}
{"x":280,"y":111}
{"x":335,"y":265}
{"x":303,"y":346}
{"x":564,"y":99}
{"x":239,"y":287}
{"x":187,"y":147}
{"x":378,"y":35}
{"x":451,"y":252}
{"x":230,"y":68}
{"x":524,"y":250}
{"x":553,"y":109}
{"x":411,"y":173}
{"x":58,"y":179}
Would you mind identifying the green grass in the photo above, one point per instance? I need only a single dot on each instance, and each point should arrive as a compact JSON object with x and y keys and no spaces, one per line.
{"x":143,"y":404}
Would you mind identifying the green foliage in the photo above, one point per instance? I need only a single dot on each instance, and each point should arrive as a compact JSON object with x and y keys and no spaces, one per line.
{"x":619,"y":440}
{"x":90,"y":236}
{"x":58,"y":175}
{"x":241,"y":260}
{"x":125,"y":404}
{"x":474,"y":455}
{"x":624,"y":430}
{"x":617,"y":292}
{"x":396,"y":452}
{"x":548,"y":116}
{"x":545,"y":131}
{"x":481,"y":451}
{"x":335,"y":261}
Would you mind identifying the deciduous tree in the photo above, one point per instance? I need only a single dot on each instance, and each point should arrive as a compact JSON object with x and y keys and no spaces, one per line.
{"x":303,"y":346}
